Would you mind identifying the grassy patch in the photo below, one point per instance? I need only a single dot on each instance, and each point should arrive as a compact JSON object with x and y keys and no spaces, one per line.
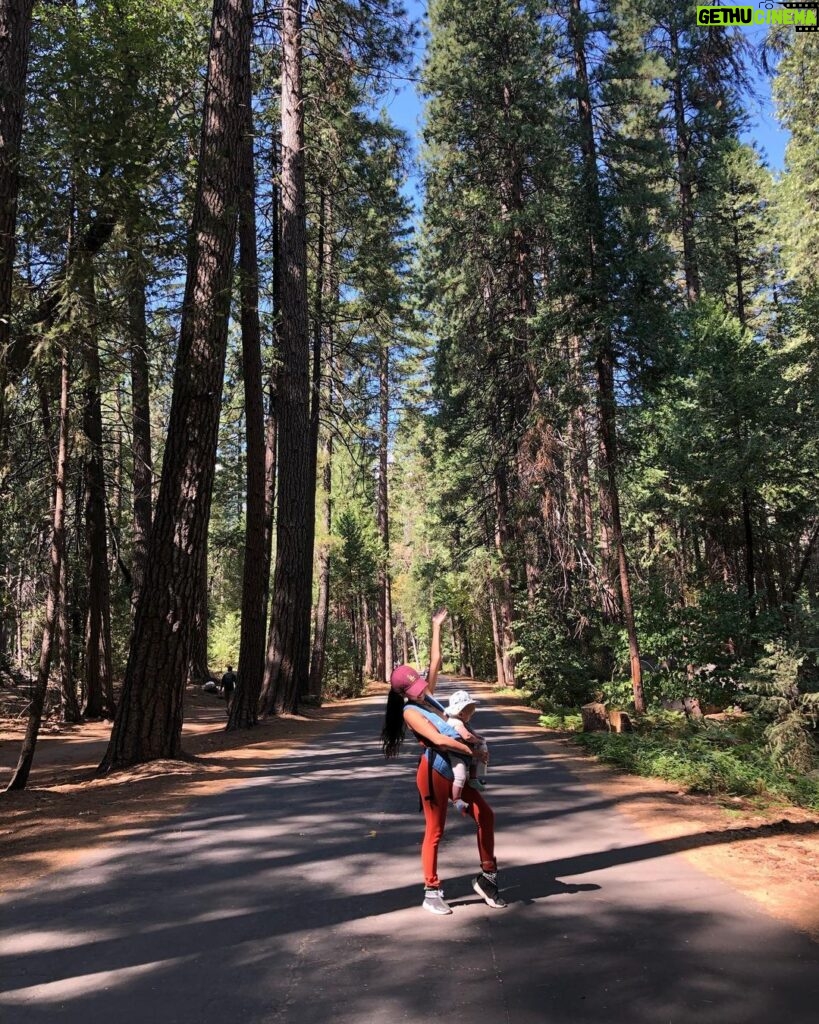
{"x":566,"y":719}
{"x":715,"y":758}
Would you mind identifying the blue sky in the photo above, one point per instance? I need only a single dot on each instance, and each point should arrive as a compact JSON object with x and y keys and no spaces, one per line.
{"x":406,"y":109}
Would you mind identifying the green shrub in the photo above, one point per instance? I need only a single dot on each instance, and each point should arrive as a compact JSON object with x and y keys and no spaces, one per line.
{"x":552,"y":661}
{"x":730,"y":759}
{"x":223,"y":641}
{"x":342,"y":670}
{"x":776,"y":694}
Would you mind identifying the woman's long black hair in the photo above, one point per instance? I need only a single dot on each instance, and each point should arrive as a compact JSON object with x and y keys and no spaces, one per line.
{"x":392,"y":735}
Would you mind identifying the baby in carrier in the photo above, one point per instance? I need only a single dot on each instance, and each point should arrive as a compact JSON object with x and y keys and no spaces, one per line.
{"x":459,"y":711}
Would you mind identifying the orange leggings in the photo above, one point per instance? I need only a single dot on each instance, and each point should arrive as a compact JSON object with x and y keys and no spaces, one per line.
{"x":435,"y":817}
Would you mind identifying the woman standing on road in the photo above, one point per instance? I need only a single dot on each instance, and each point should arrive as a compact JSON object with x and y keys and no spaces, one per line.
{"x":411,"y":703}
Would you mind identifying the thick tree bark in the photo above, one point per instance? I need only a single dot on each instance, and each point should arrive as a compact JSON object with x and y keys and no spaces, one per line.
{"x":148,"y":724}
{"x":505,"y":598}
{"x":288,"y":653}
{"x":384,"y":634}
{"x":326,"y":294}
{"x":319,"y":651}
{"x":69,"y":705}
{"x":198,"y":669}
{"x":366,"y":638}
{"x":271,"y":422}
{"x":496,"y":639}
{"x":581,"y":515}
{"x":21,"y":772}
{"x":604,"y":355}
{"x":99,"y":696}
{"x":15,"y":37}
{"x":244,"y":707}
{"x":141,"y":421}
{"x":116,"y":488}
{"x":608,"y":433}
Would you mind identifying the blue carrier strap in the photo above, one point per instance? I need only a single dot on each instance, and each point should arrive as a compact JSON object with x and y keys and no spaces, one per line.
{"x":437,"y":760}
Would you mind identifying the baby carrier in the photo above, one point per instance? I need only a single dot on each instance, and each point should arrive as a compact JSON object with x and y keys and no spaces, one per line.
{"x":430,"y":751}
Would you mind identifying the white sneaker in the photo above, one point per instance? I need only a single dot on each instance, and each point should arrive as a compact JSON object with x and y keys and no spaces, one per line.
{"x":435,"y":903}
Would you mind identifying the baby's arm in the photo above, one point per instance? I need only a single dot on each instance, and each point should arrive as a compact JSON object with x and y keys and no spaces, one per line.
{"x":462,"y":730}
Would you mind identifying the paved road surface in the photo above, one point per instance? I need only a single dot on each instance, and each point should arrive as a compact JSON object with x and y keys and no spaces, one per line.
{"x":294,"y":899}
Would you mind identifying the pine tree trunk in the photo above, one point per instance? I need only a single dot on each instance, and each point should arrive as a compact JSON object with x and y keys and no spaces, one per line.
{"x":505,"y":599}
{"x":607,"y":407}
{"x":326,"y":288}
{"x":604,"y":357}
{"x":366,"y":636}
{"x":684,"y":171}
{"x":384,"y":635}
{"x":583,"y":517}
{"x":98,"y":669}
{"x":288,"y":652}
{"x":21,"y":772}
{"x":244,"y":707}
{"x":319,"y":651}
{"x":15,"y":37}
{"x":607,"y":567}
{"x":496,"y":640}
{"x":69,"y":705}
{"x":198,"y":669}
{"x":116,"y":490}
{"x":271,"y":421}
{"x":148,"y":724}
{"x":140,"y":420}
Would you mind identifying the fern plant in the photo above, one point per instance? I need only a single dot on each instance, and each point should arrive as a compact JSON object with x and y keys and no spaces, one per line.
{"x":774,"y":692}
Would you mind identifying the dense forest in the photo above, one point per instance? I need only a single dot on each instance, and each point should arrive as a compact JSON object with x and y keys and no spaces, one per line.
{"x":258,"y":407}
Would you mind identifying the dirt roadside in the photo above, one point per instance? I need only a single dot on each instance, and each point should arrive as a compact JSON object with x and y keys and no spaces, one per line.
{"x":67,"y":811}
{"x":770,"y":853}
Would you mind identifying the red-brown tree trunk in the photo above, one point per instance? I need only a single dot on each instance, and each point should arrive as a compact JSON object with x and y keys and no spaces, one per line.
{"x":244,"y":707}
{"x":505,"y":599}
{"x":288,"y":652}
{"x":148,"y":724}
{"x":366,"y":638}
{"x":21,"y":772}
{"x":684,"y":170}
{"x":69,"y":705}
{"x":496,"y":638}
{"x":140,"y":421}
{"x":384,"y":635}
{"x":15,"y":37}
{"x":604,"y":356}
{"x":326,"y":294}
{"x":99,"y":698}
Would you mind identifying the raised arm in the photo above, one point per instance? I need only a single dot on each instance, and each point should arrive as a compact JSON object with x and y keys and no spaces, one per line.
{"x":435,"y":660}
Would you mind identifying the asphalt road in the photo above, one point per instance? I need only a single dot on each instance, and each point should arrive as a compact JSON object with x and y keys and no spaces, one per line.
{"x":294,"y":898}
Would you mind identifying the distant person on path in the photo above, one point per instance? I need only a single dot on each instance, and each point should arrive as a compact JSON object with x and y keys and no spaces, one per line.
{"x":460,"y":709}
{"x":411,"y":703}
{"x":228,"y":686}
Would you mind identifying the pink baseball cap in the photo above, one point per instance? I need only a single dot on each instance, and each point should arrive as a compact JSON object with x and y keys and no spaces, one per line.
{"x":407,"y":681}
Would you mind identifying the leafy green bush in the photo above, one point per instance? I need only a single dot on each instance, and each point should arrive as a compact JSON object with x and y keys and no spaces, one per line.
{"x":673,"y":638}
{"x":342,"y":671}
{"x":776,"y":695}
{"x":713,"y":758}
{"x":223,"y":641}
{"x":552,"y":662}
